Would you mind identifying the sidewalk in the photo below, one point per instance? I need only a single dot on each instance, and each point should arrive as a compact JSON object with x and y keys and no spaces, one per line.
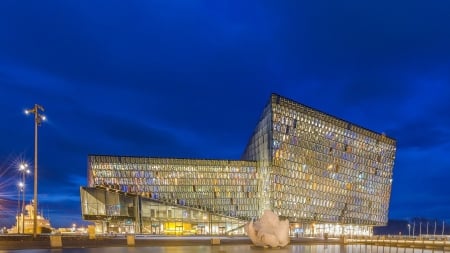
{"x":43,"y":241}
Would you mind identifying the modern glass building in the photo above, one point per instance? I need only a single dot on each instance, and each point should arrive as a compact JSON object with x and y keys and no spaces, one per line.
{"x":324,"y":174}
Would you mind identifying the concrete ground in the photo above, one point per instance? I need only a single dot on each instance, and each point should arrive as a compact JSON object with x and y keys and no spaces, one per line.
{"x":13,"y":242}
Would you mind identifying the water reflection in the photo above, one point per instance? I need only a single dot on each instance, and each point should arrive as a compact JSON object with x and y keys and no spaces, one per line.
{"x":233,"y":249}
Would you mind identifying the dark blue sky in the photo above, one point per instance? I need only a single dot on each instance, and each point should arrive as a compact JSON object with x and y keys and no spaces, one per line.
{"x":190,"y":79}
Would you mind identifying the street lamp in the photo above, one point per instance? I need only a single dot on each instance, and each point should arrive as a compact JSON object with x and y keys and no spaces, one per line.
{"x":23,"y":168}
{"x":19,"y":189}
{"x":38,"y":118}
{"x":409,"y":229}
{"x":434,"y":234}
{"x":420,"y":230}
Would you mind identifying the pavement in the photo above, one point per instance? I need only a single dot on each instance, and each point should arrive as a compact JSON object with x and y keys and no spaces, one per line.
{"x":14,"y":242}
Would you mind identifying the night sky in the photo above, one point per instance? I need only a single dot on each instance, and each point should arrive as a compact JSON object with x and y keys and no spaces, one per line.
{"x":189,"y":79}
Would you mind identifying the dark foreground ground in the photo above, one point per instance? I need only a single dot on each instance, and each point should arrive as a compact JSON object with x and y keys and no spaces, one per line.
{"x":12,"y":242}
{"x":15,"y":242}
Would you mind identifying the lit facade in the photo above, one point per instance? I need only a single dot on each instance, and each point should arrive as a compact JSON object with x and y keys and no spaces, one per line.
{"x":324,"y":174}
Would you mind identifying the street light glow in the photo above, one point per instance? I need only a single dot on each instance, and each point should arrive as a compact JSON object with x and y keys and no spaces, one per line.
{"x":23,"y":166}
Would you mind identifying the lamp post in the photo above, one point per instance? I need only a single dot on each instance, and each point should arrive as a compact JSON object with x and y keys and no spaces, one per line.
{"x":23,"y":168}
{"x":434,"y":234}
{"x":38,"y":118}
{"x":19,"y":189}
{"x":420,"y":230}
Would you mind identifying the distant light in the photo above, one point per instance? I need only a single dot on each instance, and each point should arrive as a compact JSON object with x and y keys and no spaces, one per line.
{"x":23,"y":166}
{"x":26,"y":112}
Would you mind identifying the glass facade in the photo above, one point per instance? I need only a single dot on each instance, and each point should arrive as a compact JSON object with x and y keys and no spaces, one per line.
{"x":319,"y":171}
{"x":115,"y":212}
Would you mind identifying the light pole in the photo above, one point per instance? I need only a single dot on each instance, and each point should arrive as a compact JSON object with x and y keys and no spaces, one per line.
{"x":19,"y":189}
{"x":38,"y":118}
{"x":434,"y":234}
{"x":420,"y":229}
{"x":23,"y":168}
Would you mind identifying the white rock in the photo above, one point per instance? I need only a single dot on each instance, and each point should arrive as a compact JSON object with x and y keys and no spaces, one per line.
{"x":268,"y":230}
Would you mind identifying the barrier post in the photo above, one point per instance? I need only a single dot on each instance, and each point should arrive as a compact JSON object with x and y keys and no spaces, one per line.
{"x":215,"y":241}
{"x":55,"y":241}
{"x":130,"y":240}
